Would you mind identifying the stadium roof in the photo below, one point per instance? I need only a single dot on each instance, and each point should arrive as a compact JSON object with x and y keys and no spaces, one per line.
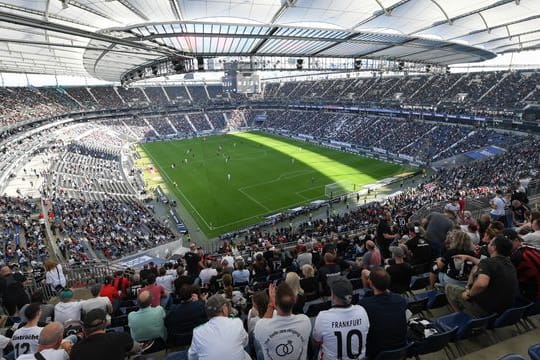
{"x":107,"y":38}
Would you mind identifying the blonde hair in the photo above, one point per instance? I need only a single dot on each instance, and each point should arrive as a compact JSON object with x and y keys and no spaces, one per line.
{"x":308,"y":271}
{"x":50,"y":264}
{"x":293,"y":280}
{"x":460,"y":240}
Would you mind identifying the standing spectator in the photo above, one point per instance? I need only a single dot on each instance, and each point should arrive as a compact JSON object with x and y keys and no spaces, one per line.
{"x":54,"y":276}
{"x":497,"y":204}
{"x":493,"y":285}
{"x":14,"y":297}
{"x":437,"y":227}
{"x":99,"y":344}
{"x":25,"y":339}
{"x":220,"y":336}
{"x":167,"y":281}
{"x":193,"y":261}
{"x":341,"y":331}
{"x":282,"y":334}
{"x":304,"y":257}
{"x":108,"y":290}
{"x":260,"y":305}
{"x":385,"y":235}
{"x":122,"y":283}
{"x":158,"y":292}
{"x":67,"y":308}
{"x":147,"y":323}
{"x":309,"y":283}
{"x":51,"y":344}
{"x":387,"y":315}
{"x":418,"y":246}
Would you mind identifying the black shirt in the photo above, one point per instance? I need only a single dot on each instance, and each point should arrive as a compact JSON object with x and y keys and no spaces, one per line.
{"x":384,"y":228}
{"x":325,"y":272}
{"x":110,"y":346}
{"x":185,"y":317}
{"x":461,"y":274}
{"x":400,"y":275}
{"x":420,"y":249}
{"x":387,"y":322}
{"x":192,"y":262}
{"x":503,"y":284}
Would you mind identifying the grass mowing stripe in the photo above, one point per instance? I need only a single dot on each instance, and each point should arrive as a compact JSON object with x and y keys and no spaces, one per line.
{"x":267,"y":174}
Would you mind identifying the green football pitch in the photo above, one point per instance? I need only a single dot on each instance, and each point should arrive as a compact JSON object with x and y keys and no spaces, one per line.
{"x":228,"y":182}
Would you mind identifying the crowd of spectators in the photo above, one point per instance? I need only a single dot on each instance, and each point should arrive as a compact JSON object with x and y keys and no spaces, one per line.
{"x":199,"y":121}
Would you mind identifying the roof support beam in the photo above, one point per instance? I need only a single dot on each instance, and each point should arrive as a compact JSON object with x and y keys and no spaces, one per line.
{"x":485,"y":22}
{"x":385,"y":10}
{"x":176,"y":10}
{"x":443,"y":11}
{"x":134,"y":9}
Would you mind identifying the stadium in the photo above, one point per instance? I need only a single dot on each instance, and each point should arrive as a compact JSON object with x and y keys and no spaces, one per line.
{"x":270,"y":179}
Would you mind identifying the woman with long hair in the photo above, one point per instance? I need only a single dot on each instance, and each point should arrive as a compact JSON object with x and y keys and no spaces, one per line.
{"x":450,"y":270}
{"x":309,"y":283}
{"x":54,"y":275}
{"x":293,"y":280}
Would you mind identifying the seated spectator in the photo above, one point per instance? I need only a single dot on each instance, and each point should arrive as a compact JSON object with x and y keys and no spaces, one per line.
{"x":526,"y":260}
{"x":188,"y":314}
{"x":67,"y":308}
{"x":122,"y":283}
{"x":328,"y":270}
{"x":147,"y":323}
{"x":387,"y":315}
{"x":293,"y":280}
{"x":533,"y":238}
{"x":304,"y":257}
{"x":108,"y":290}
{"x":341,"y":332}
{"x":99,"y":344}
{"x":51,"y":345}
{"x":450,"y":270}
{"x":260,"y":268}
{"x":260,"y":305}
{"x":240,"y":275}
{"x":97,"y":302}
{"x":283,"y":329}
{"x":207,"y":273}
{"x":493,"y":285}
{"x":47,"y":310}
{"x":400,"y":272}
{"x":221,"y":335}
{"x":158,"y":292}
{"x":25,"y":339}
{"x":372,"y":258}
{"x":309,"y":283}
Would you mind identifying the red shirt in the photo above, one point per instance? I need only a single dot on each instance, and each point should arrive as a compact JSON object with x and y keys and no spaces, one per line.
{"x":110,"y":292}
{"x":157,"y":292}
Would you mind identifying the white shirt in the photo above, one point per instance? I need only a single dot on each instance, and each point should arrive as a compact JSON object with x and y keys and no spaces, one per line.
{"x":99,"y":302}
{"x":352,"y":325}
{"x":532,"y":239}
{"x":4,"y":341}
{"x":206,"y":275}
{"x":220,"y":338}
{"x":67,"y":311}
{"x":499,"y":206}
{"x":167,"y":282}
{"x":55,"y":277}
{"x":283,"y":337}
{"x":25,"y":340}
{"x":49,"y":354}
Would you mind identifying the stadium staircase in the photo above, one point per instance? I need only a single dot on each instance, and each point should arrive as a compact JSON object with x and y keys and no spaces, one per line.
{"x":494,"y":86}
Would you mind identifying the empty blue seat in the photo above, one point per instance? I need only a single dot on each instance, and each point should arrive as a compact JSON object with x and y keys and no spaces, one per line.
{"x":396,"y":354}
{"x":512,"y":357}
{"x":510,"y":317}
{"x":534,"y":352}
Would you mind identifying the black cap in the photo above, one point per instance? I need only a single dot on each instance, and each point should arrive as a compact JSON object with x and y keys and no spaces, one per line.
{"x":94,"y":317}
{"x":342,"y":288}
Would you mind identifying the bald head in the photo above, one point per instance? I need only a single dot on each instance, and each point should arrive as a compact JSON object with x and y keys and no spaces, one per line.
{"x":5,"y":271}
{"x":145,"y":299}
{"x":51,"y":336}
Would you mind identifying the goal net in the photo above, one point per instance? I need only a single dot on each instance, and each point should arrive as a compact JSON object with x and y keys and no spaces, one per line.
{"x":338,"y":188}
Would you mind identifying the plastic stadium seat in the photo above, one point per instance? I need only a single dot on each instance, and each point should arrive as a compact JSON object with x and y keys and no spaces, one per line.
{"x":468,"y":326}
{"x":512,"y":357}
{"x":178,"y":355}
{"x":419,"y":282}
{"x":434,"y":343}
{"x":533,"y":310}
{"x":510,"y":317}
{"x":534,"y":352}
{"x":417,"y":306}
{"x":396,"y":354}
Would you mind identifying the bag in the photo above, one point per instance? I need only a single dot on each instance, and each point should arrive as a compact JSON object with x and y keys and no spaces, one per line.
{"x":419,"y":330}
{"x":58,"y":288}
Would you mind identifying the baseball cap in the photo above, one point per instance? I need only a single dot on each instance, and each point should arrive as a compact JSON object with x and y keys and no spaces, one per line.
{"x":66,"y":294}
{"x":94,"y":317}
{"x":214,"y":304}
{"x":397,"y":251}
{"x":342,"y":288}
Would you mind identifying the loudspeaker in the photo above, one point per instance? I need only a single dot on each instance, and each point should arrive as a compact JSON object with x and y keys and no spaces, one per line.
{"x":401,"y":65}
{"x":357,"y":64}
{"x":200,"y":63}
{"x":299,"y":64}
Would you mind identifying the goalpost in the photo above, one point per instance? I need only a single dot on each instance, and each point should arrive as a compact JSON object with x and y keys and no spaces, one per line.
{"x":338,"y":188}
